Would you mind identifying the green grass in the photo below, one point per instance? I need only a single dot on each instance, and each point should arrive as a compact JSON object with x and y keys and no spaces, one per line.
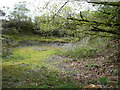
{"x":26,"y":68}
{"x":10,"y":41}
{"x":30,"y":56}
{"x":40,"y":39}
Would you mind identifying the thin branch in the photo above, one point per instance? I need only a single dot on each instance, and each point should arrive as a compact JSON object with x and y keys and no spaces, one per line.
{"x":59,"y":10}
{"x":46,"y":4}
{"x":102,"y":30}
{"x":62,"y":6}
{"x":81,"y":15}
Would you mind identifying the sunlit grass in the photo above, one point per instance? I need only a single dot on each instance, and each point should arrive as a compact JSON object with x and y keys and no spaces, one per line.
{"x":30,"y":54}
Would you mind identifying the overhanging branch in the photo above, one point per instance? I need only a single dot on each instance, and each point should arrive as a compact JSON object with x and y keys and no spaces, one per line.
{"x":107,"y":3}
{"x":103,"y":30}
{"x":97,"y":23}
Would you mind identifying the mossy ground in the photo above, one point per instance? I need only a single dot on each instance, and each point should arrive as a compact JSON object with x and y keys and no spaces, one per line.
{"x":26,"y":68}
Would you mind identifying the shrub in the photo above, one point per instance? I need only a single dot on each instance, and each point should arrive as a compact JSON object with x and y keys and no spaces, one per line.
{"x":83,"y":52}
{"x":84,"y":49}
{"x":6,"y":51}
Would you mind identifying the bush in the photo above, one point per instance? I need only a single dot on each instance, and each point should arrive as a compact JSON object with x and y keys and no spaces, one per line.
{"x":15,"y":26}
{"x":83,"y":52}
{"x":6,"y":51}
{"x":12,"y":30}
{"x":85,"y":49}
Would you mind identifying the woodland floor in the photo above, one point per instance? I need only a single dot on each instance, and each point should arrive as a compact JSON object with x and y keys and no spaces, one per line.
{"x":42,"y":67}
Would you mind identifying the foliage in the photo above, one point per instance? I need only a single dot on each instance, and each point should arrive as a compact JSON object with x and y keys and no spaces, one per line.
{"x":103,"y":80}
{"x":15,"y":27}
{"x":103,"y":21}
{"x":18,"y":22}
{"x":20,"y":11}
{"x":89,"y":49}
{"x":78,"y":53}
{"x":2,"y":13}
{"x":47,"y":27}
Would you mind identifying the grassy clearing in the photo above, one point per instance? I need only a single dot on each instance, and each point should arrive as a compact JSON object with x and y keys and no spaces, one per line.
{"x":52,"y":67}
{"x":10,"y":41}
{"x":26,"y":68}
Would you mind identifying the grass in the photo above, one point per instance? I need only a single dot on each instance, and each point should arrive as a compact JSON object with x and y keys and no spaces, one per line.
{"x":26,"y":68}
{"x":10,"y":41}
{"x":40,"y":39}
{"x":41,"y":66}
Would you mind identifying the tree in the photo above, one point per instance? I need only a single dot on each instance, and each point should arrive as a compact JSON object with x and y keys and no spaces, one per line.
{"x":20,"y":11}
{"x":19,"y":19}
{"x":105,"y":20}
{"x":2,"y":13}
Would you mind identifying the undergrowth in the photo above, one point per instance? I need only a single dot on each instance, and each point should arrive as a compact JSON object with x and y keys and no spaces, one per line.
{"x":89,"y":49}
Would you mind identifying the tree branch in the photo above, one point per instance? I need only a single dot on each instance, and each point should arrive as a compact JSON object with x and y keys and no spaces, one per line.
{"x":62,"y":6}
{"x":103,"y":35}
{"x":106,"y":3}
{"x":98,"y":23}
{"x":46,"y":5}
{"x":59,"y":10}
{"x":102,"y":30}
{"x":81,"y":15}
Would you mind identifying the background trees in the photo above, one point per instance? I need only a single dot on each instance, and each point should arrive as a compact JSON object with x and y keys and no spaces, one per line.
{"x":62,"y":20}
{"x":20,"y":11}
{"x":18,"y":20}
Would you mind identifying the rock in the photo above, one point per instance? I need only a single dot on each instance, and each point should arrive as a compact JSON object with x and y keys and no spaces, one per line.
{"x":92,"y":86}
